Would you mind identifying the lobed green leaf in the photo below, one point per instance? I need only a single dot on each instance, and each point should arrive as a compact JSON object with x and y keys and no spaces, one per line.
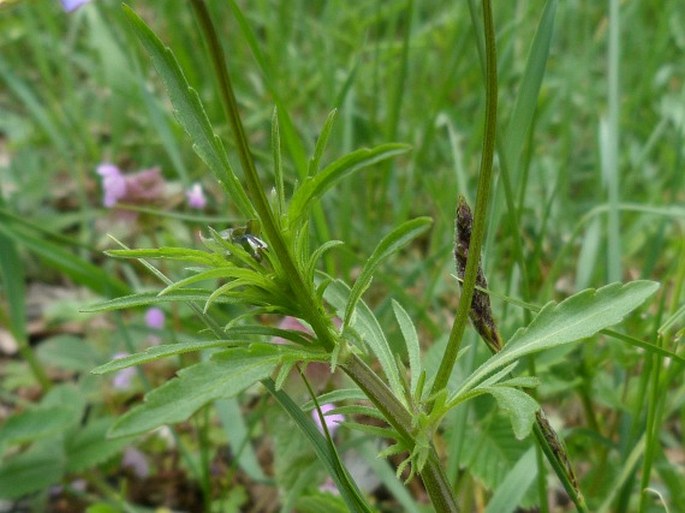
{"x":517,"y":405}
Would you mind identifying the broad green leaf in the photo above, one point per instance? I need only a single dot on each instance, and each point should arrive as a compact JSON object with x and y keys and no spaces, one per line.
{"x":190,"y":113}
{"x":89,"y":446}
{"x":35,"y":424}
{"x":315,"y":186}
{"x":31,"y":471}
{"x":577,"y":317}
{"x":647,"y":346}
{"x":197,"y":385}
{"x":364,"y":322}
{"x":68,"y":352}
{"x":411,"y":339}
{"x":394,"y":241}
{"x":517,"y":405}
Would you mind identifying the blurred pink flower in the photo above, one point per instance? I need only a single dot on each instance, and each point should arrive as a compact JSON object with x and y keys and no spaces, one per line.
{"x":332,"y":421}
{"x":72,"y":5}
{"x":122,"y":379}
{"x":196,"y":197}
{"x":113,"y":184}
{"x":145,"y":186}
{"x":155,"y":318}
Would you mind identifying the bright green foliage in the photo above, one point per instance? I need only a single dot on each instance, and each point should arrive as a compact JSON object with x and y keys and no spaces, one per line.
{"x":35,"y":424}
{"x":226,"y":374}
{"x":578,"y":317}
{"x":411,"y":339}
{"x":547,"y":193}
{"x":33,"y":470}
{"x":315,"y":186}
{"x":364,"y":322}
{"x":89,"y":446}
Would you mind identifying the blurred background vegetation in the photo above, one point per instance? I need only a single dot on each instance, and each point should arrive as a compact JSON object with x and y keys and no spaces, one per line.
{"x":76,"y":91}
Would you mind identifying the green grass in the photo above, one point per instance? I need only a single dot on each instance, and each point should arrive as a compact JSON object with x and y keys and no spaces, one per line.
{"x":588,"y":189}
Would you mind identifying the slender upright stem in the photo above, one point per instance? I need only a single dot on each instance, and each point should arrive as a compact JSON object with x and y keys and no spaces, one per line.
{"x":481,"y":207}
{"x":320,"y":323}
{"x":396,"y":414}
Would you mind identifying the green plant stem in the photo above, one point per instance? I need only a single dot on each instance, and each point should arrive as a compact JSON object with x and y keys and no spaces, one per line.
{"x":481,"y":206}
{"x":317,"y":318}
{"x":433,"y":476}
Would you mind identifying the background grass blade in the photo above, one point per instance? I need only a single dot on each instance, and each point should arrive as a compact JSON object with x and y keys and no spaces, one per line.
{"x":190,"y":113}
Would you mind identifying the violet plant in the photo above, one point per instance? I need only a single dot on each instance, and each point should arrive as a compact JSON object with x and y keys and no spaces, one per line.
{"x":267,"y":266}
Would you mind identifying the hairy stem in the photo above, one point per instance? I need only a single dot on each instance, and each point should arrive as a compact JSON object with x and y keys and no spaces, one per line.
{"x":433,"y":476}
{"x":395,"y":413}
{"x":308,"y":304}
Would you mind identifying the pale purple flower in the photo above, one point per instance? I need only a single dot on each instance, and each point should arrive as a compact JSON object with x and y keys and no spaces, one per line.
{"x":146,"y":186}
{"x":136,"y":461}
{"x":113,"y":184}
{"x":72,"y":5}
{"x":329,"y":486}
{"x":196,"y":197}
{"x":154,"y":318}
{"x":332,"y":421}
{"x":122,"y":379}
